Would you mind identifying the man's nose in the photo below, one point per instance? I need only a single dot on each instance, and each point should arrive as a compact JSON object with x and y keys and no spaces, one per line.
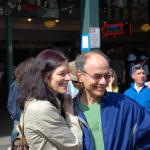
{"x":103,"y":81}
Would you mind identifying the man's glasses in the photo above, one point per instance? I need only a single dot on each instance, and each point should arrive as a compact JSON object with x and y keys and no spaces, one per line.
{"x":98,"y":77}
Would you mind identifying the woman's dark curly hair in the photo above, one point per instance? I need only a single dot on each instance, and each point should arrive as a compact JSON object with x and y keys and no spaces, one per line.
{"x":21,"y":70}
{"x":34,"y":85}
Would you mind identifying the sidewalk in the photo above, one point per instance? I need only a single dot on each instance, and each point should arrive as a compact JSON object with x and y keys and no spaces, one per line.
{"x":4,"y":142}
{"x":5,"y":130}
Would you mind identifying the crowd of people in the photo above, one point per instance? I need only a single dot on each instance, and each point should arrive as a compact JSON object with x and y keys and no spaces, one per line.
{"x":78,"y":105}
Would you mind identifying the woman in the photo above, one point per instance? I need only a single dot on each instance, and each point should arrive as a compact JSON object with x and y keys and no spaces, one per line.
{"x":13,"y":109}
{"x":41,"y":98}
{"x":12,"y":106}
{"x":113,"y":82}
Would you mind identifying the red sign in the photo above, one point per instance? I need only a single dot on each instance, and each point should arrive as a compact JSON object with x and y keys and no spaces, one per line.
{"x":112,"y":29}
{"x":29,"y":7}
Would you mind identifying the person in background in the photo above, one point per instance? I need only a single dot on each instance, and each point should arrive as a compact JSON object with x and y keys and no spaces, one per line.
{"x":130,"y":62}
{"x":118,"y":64}
{"x":110,"y":121}
{"x":147,"y":84}
{"x":12,"y":106}
{"x":144,"y":60}
{"x":72,"y":87}
{"x":138,"y":90}
{"x":49,"y":120}
{"x":113,"y":82}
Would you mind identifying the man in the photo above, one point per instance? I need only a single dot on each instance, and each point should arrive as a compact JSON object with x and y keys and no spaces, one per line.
{"x":138,"y":90}
{"x":110,"y":121}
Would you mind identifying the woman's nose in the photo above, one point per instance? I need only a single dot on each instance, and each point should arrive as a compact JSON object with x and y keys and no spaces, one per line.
{"x":67,"y":77}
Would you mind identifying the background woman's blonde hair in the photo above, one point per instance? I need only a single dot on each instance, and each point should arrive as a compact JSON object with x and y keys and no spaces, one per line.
{"x":115,"y":83}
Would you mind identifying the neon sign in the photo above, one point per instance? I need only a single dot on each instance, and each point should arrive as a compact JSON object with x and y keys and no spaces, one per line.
{"x":112,"y":29}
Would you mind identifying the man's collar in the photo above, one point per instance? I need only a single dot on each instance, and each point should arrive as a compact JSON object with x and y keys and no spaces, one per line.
{"x":138,"y":89}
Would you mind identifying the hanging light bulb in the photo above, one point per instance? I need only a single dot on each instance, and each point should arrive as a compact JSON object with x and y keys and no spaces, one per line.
{"x":29,"y":19}
{"x":56,"y":20}
{"x":145,"y":27}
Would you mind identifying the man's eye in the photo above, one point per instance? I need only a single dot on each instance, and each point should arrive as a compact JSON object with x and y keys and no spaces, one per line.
{"x":106,"y":76}
{"x":97,"y":77}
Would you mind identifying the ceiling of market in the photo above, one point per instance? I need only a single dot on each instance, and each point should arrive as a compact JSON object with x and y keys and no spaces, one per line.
{"x":68,"y":9}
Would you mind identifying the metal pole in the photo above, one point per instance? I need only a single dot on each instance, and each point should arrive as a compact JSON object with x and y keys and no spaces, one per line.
{"x":89,"y":18}
{"x":8,"y":28}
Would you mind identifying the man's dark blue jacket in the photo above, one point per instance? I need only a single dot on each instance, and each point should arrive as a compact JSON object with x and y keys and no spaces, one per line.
{"x":125,"y":124}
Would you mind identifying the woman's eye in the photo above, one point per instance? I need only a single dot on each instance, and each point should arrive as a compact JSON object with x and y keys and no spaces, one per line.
{"x":63,"y":74}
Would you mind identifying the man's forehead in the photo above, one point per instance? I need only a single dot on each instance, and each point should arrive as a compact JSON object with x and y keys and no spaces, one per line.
{"x":139,"y":70}
{"x":96,"y":67}
{"x":97,"y":63}
{"x":96,"y":57}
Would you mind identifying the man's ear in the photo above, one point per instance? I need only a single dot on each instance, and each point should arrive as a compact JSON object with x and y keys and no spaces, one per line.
{"x":79,"y":75}
{"x":132,"y":76}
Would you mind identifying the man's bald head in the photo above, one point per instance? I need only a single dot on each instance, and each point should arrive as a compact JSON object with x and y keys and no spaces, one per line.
{"x":90,"y":57}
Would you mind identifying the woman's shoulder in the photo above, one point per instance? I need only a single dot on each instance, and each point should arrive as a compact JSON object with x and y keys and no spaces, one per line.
{"x":39,"y":106}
